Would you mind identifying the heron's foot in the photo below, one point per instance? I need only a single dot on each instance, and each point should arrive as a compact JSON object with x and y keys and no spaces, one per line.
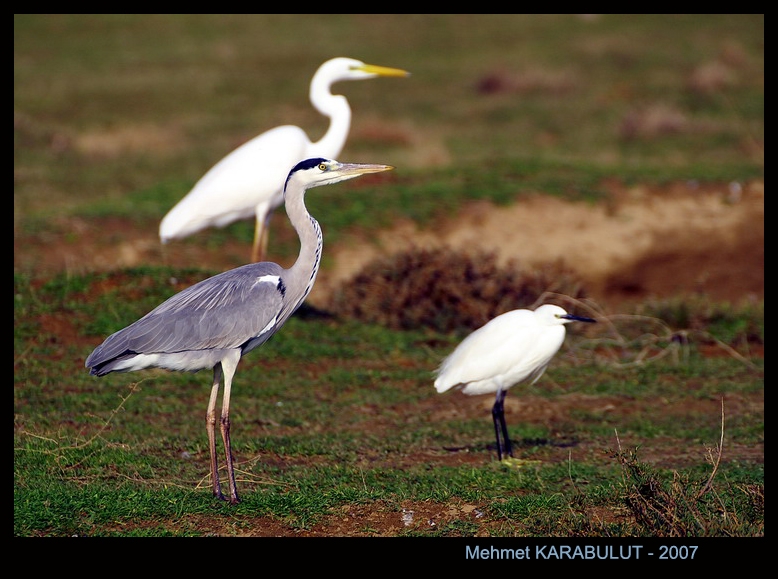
{"x":232,"y":500}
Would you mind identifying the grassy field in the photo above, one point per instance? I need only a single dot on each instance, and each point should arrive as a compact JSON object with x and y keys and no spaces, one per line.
{"x":648,"y":425}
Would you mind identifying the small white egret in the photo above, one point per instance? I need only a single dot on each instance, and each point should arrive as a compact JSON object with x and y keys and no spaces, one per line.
{"x":249,"y":181}
{"x":512,"y":348}
{"x":213,"y":323}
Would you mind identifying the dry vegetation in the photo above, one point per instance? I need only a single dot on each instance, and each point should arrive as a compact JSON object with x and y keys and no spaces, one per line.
{"x":445,"y":290}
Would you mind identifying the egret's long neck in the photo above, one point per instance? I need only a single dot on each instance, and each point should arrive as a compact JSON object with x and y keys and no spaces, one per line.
{"x":335,"y":107}
{"x":307,"y":264}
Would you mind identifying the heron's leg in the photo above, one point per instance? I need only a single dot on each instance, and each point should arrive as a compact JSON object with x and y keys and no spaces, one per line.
{"x":210,"y":425}
{"x":498,"y":416}
{"x":229,"y":365}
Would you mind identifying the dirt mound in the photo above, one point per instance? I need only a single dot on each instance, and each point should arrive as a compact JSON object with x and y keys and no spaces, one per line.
{"x":647,"y":242}
{"x":683,"y":238}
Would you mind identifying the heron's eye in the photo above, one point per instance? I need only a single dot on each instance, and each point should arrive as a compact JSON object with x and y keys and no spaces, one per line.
{"x":322,"y":167}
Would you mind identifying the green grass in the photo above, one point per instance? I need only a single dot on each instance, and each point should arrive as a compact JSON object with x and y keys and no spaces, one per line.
{"x":126,"y":454}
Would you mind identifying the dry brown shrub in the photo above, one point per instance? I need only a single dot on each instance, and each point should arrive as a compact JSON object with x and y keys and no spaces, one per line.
{"x":445,"y":290}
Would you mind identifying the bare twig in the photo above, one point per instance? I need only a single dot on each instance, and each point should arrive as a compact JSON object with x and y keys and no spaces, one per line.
{"x":717,"y":459}
{"x":647,"y":347}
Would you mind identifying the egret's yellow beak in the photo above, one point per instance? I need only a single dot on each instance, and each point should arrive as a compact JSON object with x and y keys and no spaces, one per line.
{"x":383,"y":70}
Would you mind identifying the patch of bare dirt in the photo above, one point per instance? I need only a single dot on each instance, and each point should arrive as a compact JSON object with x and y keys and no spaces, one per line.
{"x":683,"y":238}
{"x":648,"y":242}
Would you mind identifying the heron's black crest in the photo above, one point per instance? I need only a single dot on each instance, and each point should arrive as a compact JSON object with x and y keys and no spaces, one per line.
{"x":303,"y":165}
{"x":308,"y":164}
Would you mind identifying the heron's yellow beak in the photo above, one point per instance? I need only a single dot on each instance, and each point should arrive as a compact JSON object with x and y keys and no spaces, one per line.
{"x":355,"y":169}
{"x":334,"y":171}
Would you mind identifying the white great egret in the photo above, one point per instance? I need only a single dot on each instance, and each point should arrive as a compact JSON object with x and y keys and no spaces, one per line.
{"x":213,"y":323}
{"x":249,"y":181}
{"x":512,"y":348}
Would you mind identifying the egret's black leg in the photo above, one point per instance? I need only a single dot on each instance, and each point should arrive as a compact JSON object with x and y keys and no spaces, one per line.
{"x":500,"y":428}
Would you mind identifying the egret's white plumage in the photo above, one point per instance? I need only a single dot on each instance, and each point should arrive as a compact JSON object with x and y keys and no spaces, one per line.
{"x":249,"y":181}
{"x":215,"y":322}
{"x":513,"y":348}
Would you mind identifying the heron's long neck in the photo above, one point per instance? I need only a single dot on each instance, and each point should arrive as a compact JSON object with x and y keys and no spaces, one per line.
{"x":335,"y":107}
{"x":307,"y":264}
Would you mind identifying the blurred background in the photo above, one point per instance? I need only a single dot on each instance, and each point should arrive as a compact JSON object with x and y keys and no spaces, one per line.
{"x":628,"y":149}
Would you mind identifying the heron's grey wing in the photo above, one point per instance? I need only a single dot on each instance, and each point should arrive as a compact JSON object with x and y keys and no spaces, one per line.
{"x":225,"y":311}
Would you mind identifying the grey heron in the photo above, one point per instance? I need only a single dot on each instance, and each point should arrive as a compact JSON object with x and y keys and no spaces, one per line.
{"x":213,"y":323}
{"x":513,"y":348}
{"x":247,"y":182}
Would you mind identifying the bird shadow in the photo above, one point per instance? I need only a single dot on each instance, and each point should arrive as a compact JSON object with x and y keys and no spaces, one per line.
{"x":309,"y":312}
{"x":562,"y":442}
